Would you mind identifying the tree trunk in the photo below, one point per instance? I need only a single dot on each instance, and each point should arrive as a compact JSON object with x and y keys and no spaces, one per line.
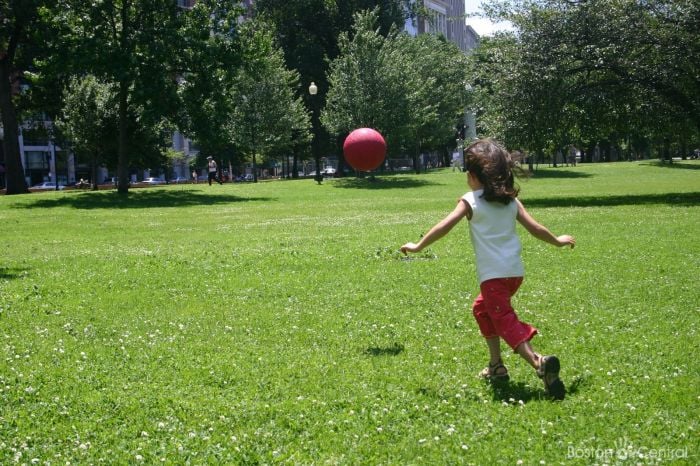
{"x":255,"y":168}
{"x":14,"y":172}
{"x":340,"y":172}
{"x":93,"y":172}
{"x":416,"y":164}
{"x":123,"y":162}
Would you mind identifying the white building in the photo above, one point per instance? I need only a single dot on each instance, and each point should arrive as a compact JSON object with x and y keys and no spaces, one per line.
{"x":447,"y":17}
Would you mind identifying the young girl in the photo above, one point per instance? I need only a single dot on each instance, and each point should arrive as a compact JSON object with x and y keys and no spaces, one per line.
{"x":492,"y":207}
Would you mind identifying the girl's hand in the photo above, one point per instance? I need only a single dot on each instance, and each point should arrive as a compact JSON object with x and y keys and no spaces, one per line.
{"x":409,"y":247}
{"x":565,"y":240}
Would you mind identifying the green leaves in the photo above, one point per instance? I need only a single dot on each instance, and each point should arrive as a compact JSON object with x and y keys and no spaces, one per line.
{"x":588,"y":71}
{"x":411,"y":89}
{"x":264,"y":111}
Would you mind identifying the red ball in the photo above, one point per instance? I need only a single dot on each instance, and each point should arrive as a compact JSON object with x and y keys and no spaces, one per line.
{"x":364,"y":149}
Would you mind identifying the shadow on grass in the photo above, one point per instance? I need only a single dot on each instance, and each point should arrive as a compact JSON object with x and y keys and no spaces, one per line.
{"x":555,"y":173}
{"x":383,"y":182}
{"x":673,"y":199}
{"x":139,"y":200}
{"x":676,"y":164}
{"x":574,"y":387}
{"x":11,"y":273}
{"x":507,"y":391}
{"x":392,"y":350}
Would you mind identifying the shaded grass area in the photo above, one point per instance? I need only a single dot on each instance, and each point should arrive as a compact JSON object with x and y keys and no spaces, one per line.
{"x":277,"y":323}
{"x":138,"y":199}
{"x":673,"y":199}
{"x":382,"y":182}
{"x":560,"y":173}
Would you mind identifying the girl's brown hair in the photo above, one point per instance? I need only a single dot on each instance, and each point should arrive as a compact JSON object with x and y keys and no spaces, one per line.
{"x":495,"y":169}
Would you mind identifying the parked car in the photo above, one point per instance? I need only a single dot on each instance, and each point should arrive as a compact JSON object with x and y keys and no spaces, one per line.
{"x":47,"y":185}
{"x":179,"y":180}
{"x":152,"y":180}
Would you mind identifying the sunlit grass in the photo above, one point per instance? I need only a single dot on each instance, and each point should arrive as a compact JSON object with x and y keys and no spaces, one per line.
{"x":276,"y":323}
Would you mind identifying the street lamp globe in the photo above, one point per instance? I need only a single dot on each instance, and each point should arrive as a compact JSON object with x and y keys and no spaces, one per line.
{"x":313,"y":89}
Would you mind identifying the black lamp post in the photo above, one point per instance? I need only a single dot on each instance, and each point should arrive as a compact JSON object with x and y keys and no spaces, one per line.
{"x":313,"y":90}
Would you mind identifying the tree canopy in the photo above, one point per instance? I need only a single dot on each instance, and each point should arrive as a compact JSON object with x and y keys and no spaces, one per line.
{"x":410,"y":89}
{"x":589,"y":71}
{"x":265,"y":113}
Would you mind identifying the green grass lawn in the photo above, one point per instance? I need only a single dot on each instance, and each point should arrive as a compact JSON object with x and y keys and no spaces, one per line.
{"x":277,"y":323}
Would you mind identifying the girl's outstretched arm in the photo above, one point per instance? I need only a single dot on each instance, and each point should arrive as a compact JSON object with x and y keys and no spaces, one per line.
{"x":540,"y":231}
{"x":440,"y":229}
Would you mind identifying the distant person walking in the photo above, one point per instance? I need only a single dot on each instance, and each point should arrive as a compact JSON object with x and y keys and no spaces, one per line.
{"x":492,"y":209}
{"x":194,"y":176}
{"x":213,"y":170}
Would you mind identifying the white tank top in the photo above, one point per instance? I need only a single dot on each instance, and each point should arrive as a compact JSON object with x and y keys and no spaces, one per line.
{"x":496,"y":243}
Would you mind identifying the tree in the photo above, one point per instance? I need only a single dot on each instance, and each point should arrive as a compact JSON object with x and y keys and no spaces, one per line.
{"x":20,"y":32}
{"x":308,"y":32}
{"x":88,"y":120}
{"x":440,"y":92}
{"x":362,"y":90}
{"x":258,"y":90}
{"x":594,"y":70}
{"x":173,"y":157}
{"x":412,"y":90}
{"x":134,"y":45}
{"x":206,"y":66}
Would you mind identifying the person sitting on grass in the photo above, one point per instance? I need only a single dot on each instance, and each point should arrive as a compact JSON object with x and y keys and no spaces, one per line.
{"x":492,"y":208}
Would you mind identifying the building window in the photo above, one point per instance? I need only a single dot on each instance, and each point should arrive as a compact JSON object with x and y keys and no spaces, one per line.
{"x":37,"y":160}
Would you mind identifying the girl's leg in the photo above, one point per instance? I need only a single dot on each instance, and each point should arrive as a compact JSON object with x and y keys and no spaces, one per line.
{"x":494,"y":344}
{"x":495,"y":369}
{"x":525,"y":350}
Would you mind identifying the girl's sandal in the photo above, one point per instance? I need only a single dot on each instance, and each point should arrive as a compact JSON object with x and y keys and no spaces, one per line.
{"x":495,"y":372}
{"x":549,"y":373}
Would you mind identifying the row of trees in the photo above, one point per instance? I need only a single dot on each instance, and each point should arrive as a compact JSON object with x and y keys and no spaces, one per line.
{"x":118,"y":77}
{"x":622,"y":73}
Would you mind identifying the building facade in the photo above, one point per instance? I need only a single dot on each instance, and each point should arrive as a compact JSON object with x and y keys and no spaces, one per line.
{"x":446,"y":17}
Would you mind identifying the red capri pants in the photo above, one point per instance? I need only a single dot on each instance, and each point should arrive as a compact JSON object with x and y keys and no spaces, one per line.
{"x":495,"y":315}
